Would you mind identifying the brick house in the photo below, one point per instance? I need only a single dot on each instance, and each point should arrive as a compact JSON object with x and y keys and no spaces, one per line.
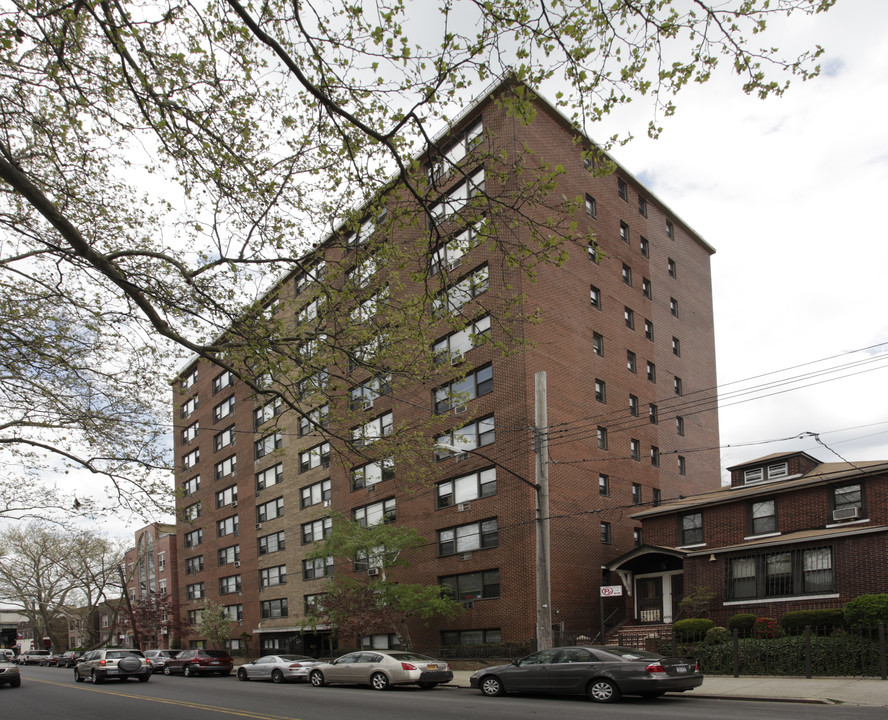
{"x":789,"y":533}
{"x":257,"y":486}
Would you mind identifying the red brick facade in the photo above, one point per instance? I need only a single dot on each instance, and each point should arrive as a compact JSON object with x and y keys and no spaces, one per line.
{"x":663,"y":279}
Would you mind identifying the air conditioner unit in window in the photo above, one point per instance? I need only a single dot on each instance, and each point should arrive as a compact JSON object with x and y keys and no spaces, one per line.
{"x":371,"y":488}
{"x":373,"y":571}
{"x":462,"y":457}
{"x":465,"y":556}
{"x":848,"y":513}
{"x":460,"y":409}
{"x":258,"y":526}
{"x":467,"y":604}
{"x":234,"y":503}
{"x":326,"y":503}
{"x":237,"y":563}
{"x":462,"y":507}
{"x":457,"y":358}
{"x":367,"y":405}
{"x":455,"y":263}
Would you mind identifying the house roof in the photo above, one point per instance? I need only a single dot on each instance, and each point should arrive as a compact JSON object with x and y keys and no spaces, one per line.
{"x":772,"y":457}
{"x":823,"y":474}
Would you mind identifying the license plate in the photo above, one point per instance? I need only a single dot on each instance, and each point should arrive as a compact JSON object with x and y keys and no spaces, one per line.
{"x":215,"y":662}
{"x":681,"y":668}
{"x":432,"y":667}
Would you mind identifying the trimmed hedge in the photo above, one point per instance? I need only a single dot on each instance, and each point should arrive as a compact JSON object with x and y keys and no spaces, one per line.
{"x":717,"y":636}
{"x":867,"y":610}
{"x":826,"y":618}
{"x":692,"y":628}
{"x":742,"y":622}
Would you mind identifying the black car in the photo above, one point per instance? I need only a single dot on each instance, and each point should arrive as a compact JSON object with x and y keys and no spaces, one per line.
{"x":197,"y":661}
{"x":604,"y":673}
{"x":69,"y":659}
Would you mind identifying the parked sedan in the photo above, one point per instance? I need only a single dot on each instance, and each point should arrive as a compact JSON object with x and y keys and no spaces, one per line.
{"x":278,"y":668}
{"x":381,"y":669}
{"x":604,"y":673}
{"x":33,"y":657}
{"x":69,"y":659}
{"x":197,"y":661}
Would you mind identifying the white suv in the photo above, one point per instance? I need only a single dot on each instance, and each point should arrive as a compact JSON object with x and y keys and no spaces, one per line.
{"x":122,"y":663}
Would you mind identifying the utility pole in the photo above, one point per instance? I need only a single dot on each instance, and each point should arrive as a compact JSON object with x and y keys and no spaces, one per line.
{"x":541,"y":443}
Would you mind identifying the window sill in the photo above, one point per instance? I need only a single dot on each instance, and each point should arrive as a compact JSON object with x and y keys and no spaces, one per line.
{"x":690,"y":547}
{"x":862,"y":521}
{"x":789,"y":598}
{"x":763,"y":535}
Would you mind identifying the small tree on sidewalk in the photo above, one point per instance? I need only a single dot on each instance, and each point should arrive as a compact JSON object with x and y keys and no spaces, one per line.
{"x":215,"y":624}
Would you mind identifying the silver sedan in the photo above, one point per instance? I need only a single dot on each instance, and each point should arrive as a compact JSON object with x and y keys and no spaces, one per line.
{"x":277,"y":668}
{"x":381,"y":669}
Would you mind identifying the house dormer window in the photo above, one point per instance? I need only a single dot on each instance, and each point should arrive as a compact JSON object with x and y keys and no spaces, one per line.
{"x":771,"y":472}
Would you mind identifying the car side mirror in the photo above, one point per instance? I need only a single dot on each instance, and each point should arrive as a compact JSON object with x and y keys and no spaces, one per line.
{"x":515,"y":663}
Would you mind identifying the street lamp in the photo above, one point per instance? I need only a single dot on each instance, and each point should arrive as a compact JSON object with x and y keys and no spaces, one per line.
{"x":543,"y":586}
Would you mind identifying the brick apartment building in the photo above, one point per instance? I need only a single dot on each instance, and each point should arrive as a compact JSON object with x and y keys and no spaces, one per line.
{"x":789,"y":533}
{"x":152,"y":568}
{"x":623,"y":330}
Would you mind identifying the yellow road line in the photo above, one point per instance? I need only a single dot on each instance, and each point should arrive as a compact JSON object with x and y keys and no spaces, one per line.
{"x":182,"y":703}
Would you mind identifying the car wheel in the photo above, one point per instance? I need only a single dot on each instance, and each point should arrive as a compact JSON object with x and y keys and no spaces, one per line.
{"x":144,"y":678}
{"x":491,"y":686}
{"x":16,"y":683}
{"x":379,"y":681}
{"x":602,"y":690}
{"x":316,"y":678}
{"x":277,"y":676}
{"x":96,"y":679}
{"x":167,"y":671}
{"x":427,"y":686}
{"x":242,"y":675}
{"x":77,"y":677}
{"x":188,"y":671}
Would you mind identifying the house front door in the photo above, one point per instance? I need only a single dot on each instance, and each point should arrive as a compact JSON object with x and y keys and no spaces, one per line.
{"x":650,"y":599}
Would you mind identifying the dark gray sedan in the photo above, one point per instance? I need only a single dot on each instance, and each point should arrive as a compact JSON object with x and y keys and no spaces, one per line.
{"x":604,"y":673}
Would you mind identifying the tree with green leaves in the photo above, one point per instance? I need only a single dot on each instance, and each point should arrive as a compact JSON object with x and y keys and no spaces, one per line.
{"x":358,"y":606}
{"x":163,"y":165}
{"x":214,"y":625}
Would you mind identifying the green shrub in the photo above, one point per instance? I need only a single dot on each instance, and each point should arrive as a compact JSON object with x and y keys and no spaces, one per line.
{"x":867,"y":610}
{"x":691,"y":628}
{"x":717,"y":635}
{"x":827,"y":618}
{"x":742,"y":622}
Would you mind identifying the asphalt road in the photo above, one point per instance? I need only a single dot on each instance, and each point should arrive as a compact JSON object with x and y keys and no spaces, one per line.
{"x":49,"y":693}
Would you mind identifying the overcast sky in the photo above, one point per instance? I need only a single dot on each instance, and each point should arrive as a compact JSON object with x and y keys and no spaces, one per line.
{"x":791,"y":192}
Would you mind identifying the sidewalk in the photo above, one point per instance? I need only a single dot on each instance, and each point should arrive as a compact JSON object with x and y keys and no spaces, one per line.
{"x":828,"y":691}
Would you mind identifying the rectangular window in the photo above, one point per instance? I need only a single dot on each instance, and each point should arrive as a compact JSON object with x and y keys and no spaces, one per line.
{"x":273,"y":608}
{"x":313,"y":421}
{"x":193,"y":538}
{"x":783,"y":574}
{"x":316,"y":493}
{"x":642,"y":206}
{"x":229,"y":555}
{"x":457,"y":393}
{"x":777,"y":471}
{"x":602,"y":438}
{"x":268,"y":444}
{"x":471,"y":637}
{"x":645,"y":247}
{"x":194,"y":591}
{"x":624,"y":232}
{"x":635,"y":449}
{"x":677,"y":386}
{"x":653,"y":414}
{"x":460,"y":196}
{"x":313,"y":603}
{"x":630,"y":361}
{"x":691,"y":529}
{"x":220,"y":382}
{"x":670,"y":267}
{"x":190,"y":433}
{"x":316,"y":530}
{"x":454,"y":153}
{"x":595,"y":296}
{"x":646,"y":288}
{"x":370,"y":474}
{"x":270,"y":510}
{"x":472,"y":586}
{"x":375,"y":513}
{"x":235,"y":613}
{"x":270,"y":476}
{"x":266,"y":412}
{"x":311,"y":272}
{"x":226,"y":467}
{"x":374,"y":430}
{"x":636,"y":537}
{"x":595,"y":252}
{"x":229,"y":584}
{"x":676,"y":347}
{"x":679,"y":425}
{"x":363,"y":395}
{"x":466,"y":538}
{"x":194,"y":565}
{"x":188,"y":380}
{"x":600,"y":391}
{"x":633,"y":405}
{"x":762,"y":517}
{"x":191,"y":459}
{"x":227,"y":526}
{"x":629,"y":318}
{"x":651,"y":372}
{"x":223,"y":409}
{"x":603,"y":485}
{"x":656,"y":497}
{"x":673,"y":307}
{"x":272,"y":543}
{"x":191,"y":486}
{"x":598,"y":344}
{"x":276,"y":575}
{"x":636,"y":494}
{"x":649,"y":329}
{"x":622,"y":190}
{"x":847,"y":502}
{"x":224,"y":439}
{"x":682,"y":465}
{"x":591,"y":207}
{"x":189,"y":406}
{"x":452,"y":300}
{"x":226,"y":496}
{"x":655,"y":456}
{"x":318,"y":456}
{"x":670,"y":230}
{"x":449,"y":255}
{"x":452,"y":348}
{"x":605,"y":529}
{"x":469,"y":487}
{"x":627,"y":274}
{"x":317,"y":568}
